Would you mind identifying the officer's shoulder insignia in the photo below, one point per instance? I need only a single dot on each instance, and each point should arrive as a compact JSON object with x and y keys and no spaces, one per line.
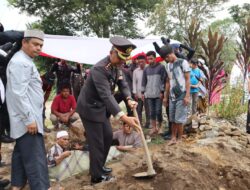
{"x":108,"y":67}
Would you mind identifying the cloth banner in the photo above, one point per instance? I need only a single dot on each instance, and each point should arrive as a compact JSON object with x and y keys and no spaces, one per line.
{"x":88,"y":50}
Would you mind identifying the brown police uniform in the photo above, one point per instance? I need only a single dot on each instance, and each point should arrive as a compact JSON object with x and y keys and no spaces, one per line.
{"x":96,"y":103}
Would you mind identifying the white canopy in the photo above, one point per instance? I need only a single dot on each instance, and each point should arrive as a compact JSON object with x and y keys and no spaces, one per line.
{"x":89,"y":50}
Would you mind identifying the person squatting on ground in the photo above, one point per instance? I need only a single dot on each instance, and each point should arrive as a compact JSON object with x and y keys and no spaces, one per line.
{"x":63,"y":108}
{"x":25,"y":105}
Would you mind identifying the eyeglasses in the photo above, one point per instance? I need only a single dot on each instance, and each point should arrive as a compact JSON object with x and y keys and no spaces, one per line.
{"x":65,"y":139}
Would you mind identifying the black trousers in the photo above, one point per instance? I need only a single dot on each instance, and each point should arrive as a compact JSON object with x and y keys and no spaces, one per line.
{"x":4,"y":120}
{"x":99,"y":137}
{"x":169,"y":123}
{"x":29,"y":163}
{"x":248,"y":118}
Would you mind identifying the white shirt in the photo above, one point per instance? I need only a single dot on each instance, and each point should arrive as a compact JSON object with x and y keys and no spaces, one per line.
{"x":137,"y":81}
{"x":24,"y":95}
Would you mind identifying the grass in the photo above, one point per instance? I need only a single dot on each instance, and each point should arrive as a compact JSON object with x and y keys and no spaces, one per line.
{"x":231,"y":104}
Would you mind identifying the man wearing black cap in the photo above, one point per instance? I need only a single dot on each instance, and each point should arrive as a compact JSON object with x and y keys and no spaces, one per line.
{"x":96,"y":103}
{"x":177,"y":91}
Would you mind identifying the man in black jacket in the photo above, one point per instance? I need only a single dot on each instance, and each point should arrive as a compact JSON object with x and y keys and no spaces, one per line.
{"x":96,"y":103}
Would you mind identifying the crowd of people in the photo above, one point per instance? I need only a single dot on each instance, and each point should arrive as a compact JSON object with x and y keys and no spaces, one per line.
{"x":175,"y":82}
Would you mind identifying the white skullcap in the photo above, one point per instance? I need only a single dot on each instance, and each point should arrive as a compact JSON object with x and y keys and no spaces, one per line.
{"x":61,"y":134}
{"x":201,"y":61}
{"x":34,"y":34}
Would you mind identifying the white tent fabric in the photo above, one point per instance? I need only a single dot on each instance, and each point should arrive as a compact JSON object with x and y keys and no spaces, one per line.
{"x":89,"y":50}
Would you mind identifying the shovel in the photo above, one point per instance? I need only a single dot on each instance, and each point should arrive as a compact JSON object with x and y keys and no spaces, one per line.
{"x":150,"y":172}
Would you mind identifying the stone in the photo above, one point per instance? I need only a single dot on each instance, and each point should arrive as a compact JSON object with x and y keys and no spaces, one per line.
{"x":221,"y":134}
{"x":202,"y":121}
{"x":222,"y":188}
{"x":212,"y":134}
{"x":208,"y":127}
{"x":236,"y":133}
{"x":243,"y":143}
{"x":248,"y":138}
{"x":234,"y":129}
{"x":243,"y":138}
{"x":202,"y":127}
{"x":228,"y":132}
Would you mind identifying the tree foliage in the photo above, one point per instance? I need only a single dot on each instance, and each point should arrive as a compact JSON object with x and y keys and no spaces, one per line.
{"x":173,"y":17}
{"x":240,"y":13}
{"x":100,"y":18}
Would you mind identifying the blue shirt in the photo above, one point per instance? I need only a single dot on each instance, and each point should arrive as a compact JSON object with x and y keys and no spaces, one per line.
{"x":195,"y":74}
{"x":24,"y":95}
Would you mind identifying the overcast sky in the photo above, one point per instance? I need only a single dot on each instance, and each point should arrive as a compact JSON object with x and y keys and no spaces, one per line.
{"x":11,"y":18}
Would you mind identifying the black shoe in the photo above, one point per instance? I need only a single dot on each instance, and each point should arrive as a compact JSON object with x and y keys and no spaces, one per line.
{"x":106,"y":170}
{"x":103,"y":178}
{"x":4,"y":183}
{"x":6,"y":139}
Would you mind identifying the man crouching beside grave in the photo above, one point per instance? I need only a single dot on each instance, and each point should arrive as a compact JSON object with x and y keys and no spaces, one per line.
{"x":63,"y":108}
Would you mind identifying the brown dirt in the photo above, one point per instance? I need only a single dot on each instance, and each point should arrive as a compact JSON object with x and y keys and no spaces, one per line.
{"x":198,"y":163}
{"x":183,"y":166}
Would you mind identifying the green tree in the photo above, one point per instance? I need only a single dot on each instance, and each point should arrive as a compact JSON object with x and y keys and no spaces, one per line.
{"x":101,"y":18}
{"x":212,"y":54}
{"x":173,"y":17}
{"x":240,"y":13}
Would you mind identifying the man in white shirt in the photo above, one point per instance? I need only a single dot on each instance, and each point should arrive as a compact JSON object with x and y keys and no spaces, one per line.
{"x":24,"y":97}
{"x":137,"y":88}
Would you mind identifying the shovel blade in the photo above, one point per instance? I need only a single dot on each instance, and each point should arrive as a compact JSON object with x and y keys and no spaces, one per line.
{"x":144,"y":175}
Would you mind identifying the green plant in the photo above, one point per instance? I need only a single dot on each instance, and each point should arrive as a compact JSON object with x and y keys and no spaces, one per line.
{"x":212,"y":55}
{"x":157,"y":140}
{"x":230,"y":105}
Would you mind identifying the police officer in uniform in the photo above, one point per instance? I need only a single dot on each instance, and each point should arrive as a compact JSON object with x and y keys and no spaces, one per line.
{"x":96,"y":103}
